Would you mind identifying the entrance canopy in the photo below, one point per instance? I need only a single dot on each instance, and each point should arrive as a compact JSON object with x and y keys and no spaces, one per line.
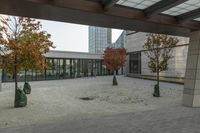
{"x":175,"y":17}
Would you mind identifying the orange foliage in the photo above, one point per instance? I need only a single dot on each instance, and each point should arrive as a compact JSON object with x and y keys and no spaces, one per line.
{"x":114,"y":58}
{"x":24,"y":44}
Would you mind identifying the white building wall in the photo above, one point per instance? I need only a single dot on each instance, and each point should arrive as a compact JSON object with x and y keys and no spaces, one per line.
{"x":181,"y":59}
{"x":73,"y":55}
{"x":177,"y":64}
{"x":135,"y":41}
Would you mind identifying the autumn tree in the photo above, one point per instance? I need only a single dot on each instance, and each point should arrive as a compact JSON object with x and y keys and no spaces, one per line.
{"x":25,"y":45}
{"x":159,"y":51}
{"x":114,"y":59}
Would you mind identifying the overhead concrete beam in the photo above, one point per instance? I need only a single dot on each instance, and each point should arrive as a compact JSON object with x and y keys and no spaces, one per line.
{"x":92,"y":13}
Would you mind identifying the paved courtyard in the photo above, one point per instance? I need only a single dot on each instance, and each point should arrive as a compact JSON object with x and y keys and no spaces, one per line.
{"x":55,"y":107}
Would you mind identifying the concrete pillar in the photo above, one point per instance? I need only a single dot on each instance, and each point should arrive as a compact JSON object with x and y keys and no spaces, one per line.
{"x":126,"y":66}
{"x":191,"y":94}
{"x":0,"y":80}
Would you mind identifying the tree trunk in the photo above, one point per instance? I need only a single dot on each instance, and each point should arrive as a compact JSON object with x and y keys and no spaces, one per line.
{"x":27,"y":87}
{"x":114,"y":79}
{"x":157,"y":68}
{"x":15,"y":77}
{"x":158,"y":78}
{"x":1,"y":73}
{"x":156,"y":87}
{"x":25,"y":75}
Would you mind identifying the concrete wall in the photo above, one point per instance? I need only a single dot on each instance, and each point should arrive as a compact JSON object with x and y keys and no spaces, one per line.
{"x":73,"y":55}
{"x":177,"y":65}
{"x":126,"y":66}
{"x":135,"y":41}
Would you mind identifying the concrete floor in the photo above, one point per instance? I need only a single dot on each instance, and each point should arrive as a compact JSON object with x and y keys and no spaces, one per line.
{"x":55,"y":107}
{"x":166,"y":120}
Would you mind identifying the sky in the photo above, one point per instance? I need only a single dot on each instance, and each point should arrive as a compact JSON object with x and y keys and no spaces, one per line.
{"x":71,"y":37}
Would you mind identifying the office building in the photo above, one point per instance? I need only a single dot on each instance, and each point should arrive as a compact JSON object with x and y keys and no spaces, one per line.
{"x":99,"y":39}
{"x":121,"y":41}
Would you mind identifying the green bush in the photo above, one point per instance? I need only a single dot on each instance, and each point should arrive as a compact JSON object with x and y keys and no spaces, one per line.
{"x":27,"y":88}
{"x":21,"y":99}
{"x":156,"y":91}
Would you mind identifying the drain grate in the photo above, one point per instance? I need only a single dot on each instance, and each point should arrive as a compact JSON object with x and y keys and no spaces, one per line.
{"x":87,"y":98}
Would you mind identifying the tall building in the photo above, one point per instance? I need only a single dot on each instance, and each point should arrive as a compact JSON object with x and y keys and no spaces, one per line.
{"x":121,"y":41}
{"x":99,"y":39}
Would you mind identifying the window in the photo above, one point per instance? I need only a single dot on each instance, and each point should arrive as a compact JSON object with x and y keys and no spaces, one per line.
{"x":59,"y":68}
{"x":135,"y":63}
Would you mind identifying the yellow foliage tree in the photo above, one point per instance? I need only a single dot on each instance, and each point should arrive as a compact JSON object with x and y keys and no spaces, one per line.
{"x":24,"y":45}
{"x":159,"y":51}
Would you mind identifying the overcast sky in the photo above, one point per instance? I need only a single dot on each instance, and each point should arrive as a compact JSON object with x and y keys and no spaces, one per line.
{"x":71,"y":37}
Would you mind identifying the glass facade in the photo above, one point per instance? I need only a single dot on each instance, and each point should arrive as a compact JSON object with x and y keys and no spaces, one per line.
{"x":135,"y":63}
{"x":59,"y":68}
{"x":121,"y":41}
{"x":99,"y":39}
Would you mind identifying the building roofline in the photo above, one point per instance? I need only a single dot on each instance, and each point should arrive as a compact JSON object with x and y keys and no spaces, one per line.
{"x":75,"y":52}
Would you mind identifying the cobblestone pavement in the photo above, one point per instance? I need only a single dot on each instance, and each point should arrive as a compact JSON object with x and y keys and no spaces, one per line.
{"x":166,"y":120}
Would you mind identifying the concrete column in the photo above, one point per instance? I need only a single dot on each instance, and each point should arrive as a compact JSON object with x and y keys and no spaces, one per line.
{"x":0,"y":80}
{"x":126,"y":66}
{"x":191,"y":94}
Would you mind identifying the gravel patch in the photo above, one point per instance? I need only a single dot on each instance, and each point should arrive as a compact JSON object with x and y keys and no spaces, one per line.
{"x":60,"y":99}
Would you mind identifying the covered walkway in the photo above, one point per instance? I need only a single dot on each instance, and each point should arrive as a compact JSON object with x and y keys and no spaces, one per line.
{"x":174,"y":17}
